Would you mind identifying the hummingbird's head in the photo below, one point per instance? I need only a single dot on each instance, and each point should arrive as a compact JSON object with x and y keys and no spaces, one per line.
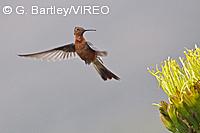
{"x":79,"y":31}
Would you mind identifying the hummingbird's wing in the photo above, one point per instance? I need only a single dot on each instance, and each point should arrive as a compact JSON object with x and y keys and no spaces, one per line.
{"x":58,"y":53}
{"x":98,"y":52}
{"x":92,"y":46}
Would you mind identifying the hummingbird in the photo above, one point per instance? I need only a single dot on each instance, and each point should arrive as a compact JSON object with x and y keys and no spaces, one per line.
{"x":84,"y":49}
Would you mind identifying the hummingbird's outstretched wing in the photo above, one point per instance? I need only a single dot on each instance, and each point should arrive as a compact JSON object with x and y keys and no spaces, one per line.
{"x":58,"y":53}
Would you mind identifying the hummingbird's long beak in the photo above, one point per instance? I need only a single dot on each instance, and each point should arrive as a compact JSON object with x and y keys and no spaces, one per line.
{"x":89,"y":30}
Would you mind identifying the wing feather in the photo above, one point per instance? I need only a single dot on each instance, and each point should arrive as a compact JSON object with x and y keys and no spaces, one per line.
{"x":98,"y":52}
{"x":59,"y":53}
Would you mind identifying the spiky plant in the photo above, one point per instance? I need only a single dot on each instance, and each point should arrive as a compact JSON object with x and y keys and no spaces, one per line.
{"x":181,"y":82}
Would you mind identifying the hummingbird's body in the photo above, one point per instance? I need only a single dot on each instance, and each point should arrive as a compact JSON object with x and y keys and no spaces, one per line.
{"x":83,"y":49}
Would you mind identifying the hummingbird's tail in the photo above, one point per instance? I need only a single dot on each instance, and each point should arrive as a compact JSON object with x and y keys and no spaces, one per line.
{"x":103,"y":71}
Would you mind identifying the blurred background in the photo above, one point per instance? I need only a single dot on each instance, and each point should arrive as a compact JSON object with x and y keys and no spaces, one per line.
{"x":69,"y":96}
